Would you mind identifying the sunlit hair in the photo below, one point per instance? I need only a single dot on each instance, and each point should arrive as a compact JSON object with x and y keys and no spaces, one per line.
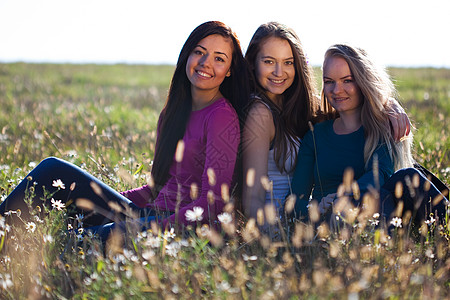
{"x":300,"y":102}
{"x":376,"y":88}
{"x":175,"y":114}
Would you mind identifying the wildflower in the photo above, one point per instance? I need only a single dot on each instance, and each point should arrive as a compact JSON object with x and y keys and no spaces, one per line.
{"x":30,"y":226}
{"x":183,"y":243}
{"x":169,"y":234}
{"x":148,"y":254}
{"x":429,"y":253}
{"x":223,"y":286}
{"x":58,"y":184}
{"x":172,"y":249}
{"x":5,"y":281}
{"x":72,"y":153}
{"x":175,"y":289}
{"x":118,"y":283}
{"x":47,"y":238}
{"x":87,"y":281}
{"x":247,"y":258}
{"x":79,"y":218}
{"x":196,"y":214}
{"x":430,"y":221}
{"x":153,"y":242}
{"x":38,"y":220}
{"x":225,"y":218}
{"x":374,"y":222}
{"x":6,"y":259}
{"x":397,"y":222}
{"x":58,"y":204}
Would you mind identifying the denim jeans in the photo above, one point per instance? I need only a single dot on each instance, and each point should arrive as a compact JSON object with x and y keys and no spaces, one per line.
{"x":51,"y":169}
{"x":416,"y":197}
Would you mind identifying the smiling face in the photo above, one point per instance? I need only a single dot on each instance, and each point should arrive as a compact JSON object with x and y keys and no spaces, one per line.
{"x":340,"y":88}
{"x":274,"y":67}
{"x":208,"y":64}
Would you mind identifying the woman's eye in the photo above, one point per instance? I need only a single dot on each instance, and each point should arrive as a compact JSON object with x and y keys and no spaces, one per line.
{"x":220,"y":59}
{"x":268,"y":61}
{"x":289,"y":62}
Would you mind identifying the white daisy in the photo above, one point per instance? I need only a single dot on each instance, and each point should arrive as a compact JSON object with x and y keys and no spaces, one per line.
{"x":196,"y":214}
{"x":397,"y":222}
{"x":30,"y":226}
{"x":58,"y":184}
{"x":58,"y":204}
{"x":225,"y":218}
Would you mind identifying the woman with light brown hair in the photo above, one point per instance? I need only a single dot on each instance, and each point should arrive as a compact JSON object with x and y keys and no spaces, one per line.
{"x":359,"y":138}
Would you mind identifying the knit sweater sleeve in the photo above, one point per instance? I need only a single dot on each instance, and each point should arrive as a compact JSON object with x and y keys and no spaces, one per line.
{"x":222,"y":140}
{"x":141,"y":196}
{"x":302,"y":181}
{"x":379,"y":169}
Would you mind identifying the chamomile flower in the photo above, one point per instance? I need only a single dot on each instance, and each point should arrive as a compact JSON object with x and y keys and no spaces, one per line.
{"x":30,"y":227}
{"x":47,"y":238}
{"x":397,"y":222}
{"x":58,"y":184}
{"x":430,"y":221}
{"x":196,"y":214}
{"x":169,"y":234}
{"x":5,"y":281}
{"x":57,"y":204}
{"x":225,"y":218}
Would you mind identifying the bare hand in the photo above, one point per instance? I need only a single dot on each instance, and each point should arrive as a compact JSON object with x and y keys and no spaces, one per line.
{"x":400,"y":123}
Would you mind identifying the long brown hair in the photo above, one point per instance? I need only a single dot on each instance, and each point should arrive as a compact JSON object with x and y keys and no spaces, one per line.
{"x":178,"y":106}
{"x":300,"y":102}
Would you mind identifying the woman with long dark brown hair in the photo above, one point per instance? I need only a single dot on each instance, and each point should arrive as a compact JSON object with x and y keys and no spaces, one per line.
{"x":198,"y":136}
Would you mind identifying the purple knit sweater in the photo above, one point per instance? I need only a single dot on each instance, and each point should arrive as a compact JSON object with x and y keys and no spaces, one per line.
{"x":211,"y":142}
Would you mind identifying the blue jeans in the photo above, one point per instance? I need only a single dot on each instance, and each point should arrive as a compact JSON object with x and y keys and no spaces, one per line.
{"x":416,"y":199}
{"x":54,"y":168}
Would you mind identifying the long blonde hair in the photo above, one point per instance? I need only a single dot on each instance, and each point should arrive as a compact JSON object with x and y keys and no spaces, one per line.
{"x":376,"y":88}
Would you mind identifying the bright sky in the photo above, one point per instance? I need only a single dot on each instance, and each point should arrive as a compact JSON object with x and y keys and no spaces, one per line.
{"x":394,"y":32}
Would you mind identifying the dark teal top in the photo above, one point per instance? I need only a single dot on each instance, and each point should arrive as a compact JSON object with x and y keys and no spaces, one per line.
{"x":326,"y":155}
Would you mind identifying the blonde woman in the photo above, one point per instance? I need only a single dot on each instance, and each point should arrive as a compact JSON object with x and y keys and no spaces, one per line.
{"x":357,"y":92}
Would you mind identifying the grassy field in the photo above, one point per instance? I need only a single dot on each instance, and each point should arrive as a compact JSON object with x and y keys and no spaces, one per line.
{"x":103,"y":117}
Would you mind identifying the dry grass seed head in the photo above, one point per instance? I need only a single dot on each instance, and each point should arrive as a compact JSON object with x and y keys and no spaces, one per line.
{"x":270,"y":213}
{"x":179,"y":152}
{"x":250,"y":178}
{"x":314,"y":213}
{"x":194,"y":191}
{"x":225,"y":192}
{"x":398,"y":190}
{"x":348,"y":179}
{"x":266,"y":183}
{"x":211,"y":176}
{"x":290,"y":203}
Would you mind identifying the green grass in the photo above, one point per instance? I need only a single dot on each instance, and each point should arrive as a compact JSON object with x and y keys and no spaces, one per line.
{"x":104,"y":118}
